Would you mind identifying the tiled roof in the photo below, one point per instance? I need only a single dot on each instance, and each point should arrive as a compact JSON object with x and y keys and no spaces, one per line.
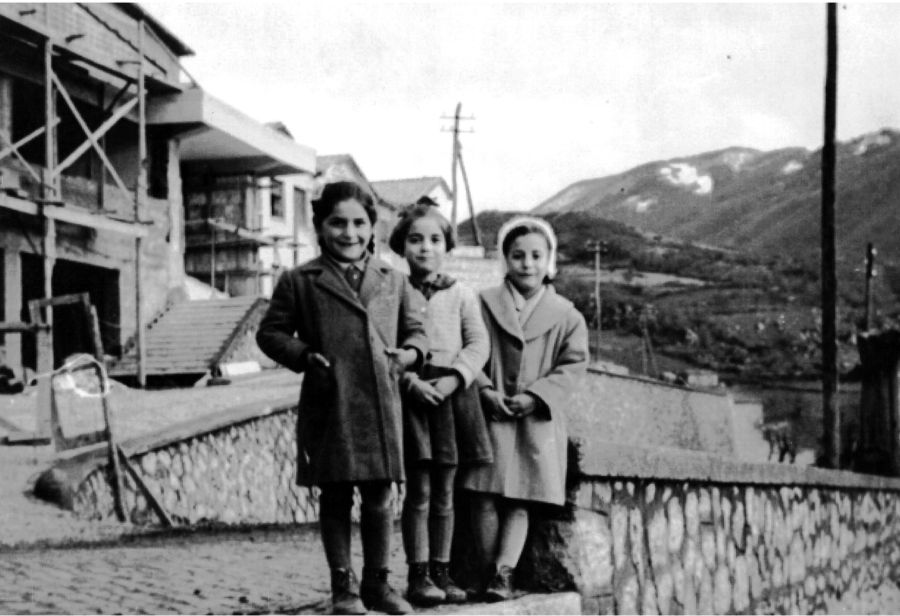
{"x":406,"y":191}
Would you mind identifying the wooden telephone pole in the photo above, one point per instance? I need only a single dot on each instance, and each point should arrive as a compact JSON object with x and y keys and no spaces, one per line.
{"x":458,"y":162}
{"x":831,"y":435}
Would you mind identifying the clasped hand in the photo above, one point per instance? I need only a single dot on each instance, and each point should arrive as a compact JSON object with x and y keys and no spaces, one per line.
{"x":504,"y":408}
{"x":433,"y":391}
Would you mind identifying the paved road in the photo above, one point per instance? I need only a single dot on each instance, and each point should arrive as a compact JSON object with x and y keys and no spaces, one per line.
{"x":257,"y":570}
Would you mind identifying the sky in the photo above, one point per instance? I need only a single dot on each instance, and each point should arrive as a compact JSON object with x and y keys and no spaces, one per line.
{"x":560,"y":91}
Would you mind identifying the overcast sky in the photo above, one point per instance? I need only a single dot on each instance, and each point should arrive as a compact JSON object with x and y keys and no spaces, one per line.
{"x":560,"y":91}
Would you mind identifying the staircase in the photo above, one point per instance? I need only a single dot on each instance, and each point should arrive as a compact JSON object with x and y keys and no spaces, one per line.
{"x":193,"y":338}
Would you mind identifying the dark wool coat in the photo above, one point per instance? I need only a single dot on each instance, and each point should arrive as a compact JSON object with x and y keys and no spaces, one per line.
{"x":547,"y":358}
{"x":350,"y":420}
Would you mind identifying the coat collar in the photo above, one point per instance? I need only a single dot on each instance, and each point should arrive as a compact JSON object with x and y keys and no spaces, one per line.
{"x":331,"y":280}
{"x":546,"y":314}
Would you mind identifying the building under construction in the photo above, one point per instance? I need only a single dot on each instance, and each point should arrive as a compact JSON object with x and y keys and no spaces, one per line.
{"x":107,"y":147}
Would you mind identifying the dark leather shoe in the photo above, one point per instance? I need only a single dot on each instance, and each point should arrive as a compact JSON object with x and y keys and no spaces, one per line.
{"x":440,"y":573}
{"x":377,"y":594}
{"x":345,"y":593}
{"x":499,"y":587}
{"x":422,"y":590}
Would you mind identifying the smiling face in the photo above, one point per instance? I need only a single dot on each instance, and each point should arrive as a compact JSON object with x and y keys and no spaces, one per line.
{"x":527,"y":261}
{"x":425,"y":247}
{"x":345,"y":233}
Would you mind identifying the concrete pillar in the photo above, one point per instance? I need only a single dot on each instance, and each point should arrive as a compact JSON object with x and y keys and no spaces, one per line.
{"x":12,"y":303}
{"x":176,"y":216}
{"x":6,"y":110}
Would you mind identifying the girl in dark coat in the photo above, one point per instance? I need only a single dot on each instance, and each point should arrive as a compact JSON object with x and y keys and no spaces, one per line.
{"x":353,"y":325}
{"x":443,"y":422}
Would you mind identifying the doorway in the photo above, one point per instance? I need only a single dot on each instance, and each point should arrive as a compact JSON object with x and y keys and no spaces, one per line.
{"x":70,"y":335}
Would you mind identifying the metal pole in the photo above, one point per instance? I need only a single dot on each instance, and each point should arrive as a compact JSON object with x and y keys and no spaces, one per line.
{"x":455,"y":160}
{"x":597,"y":299}
{"x":212,"y":257}
{"x":139,"y":194}
{"x":831,"y":413}
{"x":870,"y":273}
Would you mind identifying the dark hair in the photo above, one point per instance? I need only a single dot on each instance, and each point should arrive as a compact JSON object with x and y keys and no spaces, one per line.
{"x":335,"y":193}
{"x":525,"y":228}
{"x":412,"y":214}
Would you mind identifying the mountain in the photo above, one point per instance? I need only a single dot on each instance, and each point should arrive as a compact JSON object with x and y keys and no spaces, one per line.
{"x":750,"y":200}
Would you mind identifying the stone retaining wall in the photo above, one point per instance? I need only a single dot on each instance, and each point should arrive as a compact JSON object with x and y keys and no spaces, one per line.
{"x":647,"y":529}
{"x":235,"y":467}
{"x":686,"y":547}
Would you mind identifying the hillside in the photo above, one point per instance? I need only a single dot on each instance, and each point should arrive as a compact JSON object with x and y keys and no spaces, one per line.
{"x":750,"y":200}
{"x":735,"y":312}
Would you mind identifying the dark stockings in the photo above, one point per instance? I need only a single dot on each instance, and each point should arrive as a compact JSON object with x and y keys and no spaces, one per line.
{"x":376,"y":517}
{"x":427,"y":519}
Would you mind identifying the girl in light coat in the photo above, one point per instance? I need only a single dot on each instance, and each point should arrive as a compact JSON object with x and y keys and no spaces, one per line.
{"x":443,"y":422}
{"x":539,"y":352}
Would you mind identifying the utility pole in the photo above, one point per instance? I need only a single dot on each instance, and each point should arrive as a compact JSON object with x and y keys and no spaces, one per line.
{"x":598,"y":248}
{"x":870,"y":274}
{"x":831,"y":414}
{"x":453,"y":186}
{"x":457,"y":162}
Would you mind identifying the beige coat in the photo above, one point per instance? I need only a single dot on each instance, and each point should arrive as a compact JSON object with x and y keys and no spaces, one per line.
{"x":546,"y":358}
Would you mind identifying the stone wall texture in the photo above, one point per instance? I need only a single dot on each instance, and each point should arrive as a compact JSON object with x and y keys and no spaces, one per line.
{"x":689,"y":547}
{"x":242,"y":473}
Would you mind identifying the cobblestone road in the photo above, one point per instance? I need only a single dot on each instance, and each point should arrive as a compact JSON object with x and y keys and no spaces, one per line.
{"x":279,"y":570}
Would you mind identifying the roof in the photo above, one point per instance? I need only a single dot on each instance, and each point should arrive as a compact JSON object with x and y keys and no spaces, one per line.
{"x":325,"y":163}
{"x":230,"y":141}
{"x":172,"y":42}
{"x":406,"y":191}
{"x":280,"y":127}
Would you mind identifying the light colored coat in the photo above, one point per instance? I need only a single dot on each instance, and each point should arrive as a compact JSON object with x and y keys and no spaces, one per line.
{"x":350,"y":420}
{"x":547,"y":358}
{"x":456,"y":335}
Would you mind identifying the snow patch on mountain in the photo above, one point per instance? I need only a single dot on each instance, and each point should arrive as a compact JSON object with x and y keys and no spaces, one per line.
{"x":683,"y":174}
{"x":866,"y":142}
{"x":736,"y":160}
{"x":639,"y":204}
{"x":792,"y":166}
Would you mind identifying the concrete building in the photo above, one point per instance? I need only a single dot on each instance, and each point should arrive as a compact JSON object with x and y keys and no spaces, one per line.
{"x":105,"y":151}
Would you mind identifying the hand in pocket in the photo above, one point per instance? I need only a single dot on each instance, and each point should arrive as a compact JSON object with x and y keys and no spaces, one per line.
{"x":319,"y":372}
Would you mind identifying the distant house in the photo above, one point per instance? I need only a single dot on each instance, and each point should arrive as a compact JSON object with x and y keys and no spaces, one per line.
{"x":342,"y":167}
{"x":401,"y":193}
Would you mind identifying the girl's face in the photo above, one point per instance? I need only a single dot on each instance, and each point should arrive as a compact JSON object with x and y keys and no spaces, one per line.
{"x":527,"y":261}
{"x":346,"y":232}
{"x":425,"y":246}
